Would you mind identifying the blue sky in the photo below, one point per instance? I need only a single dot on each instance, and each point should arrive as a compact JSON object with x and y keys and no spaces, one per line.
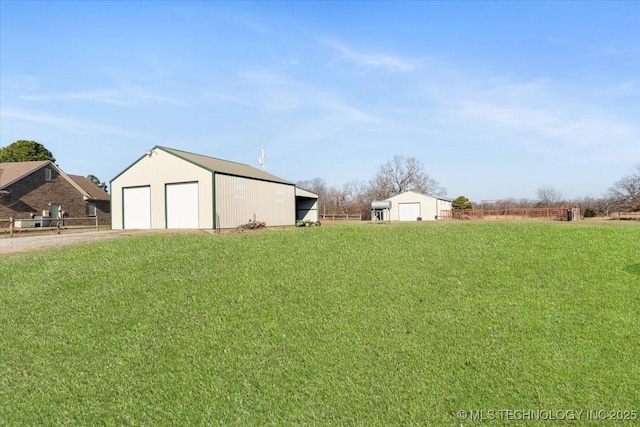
{"x":497,"y":99}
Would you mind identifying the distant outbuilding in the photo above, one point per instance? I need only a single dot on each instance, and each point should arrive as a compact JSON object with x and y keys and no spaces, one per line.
{"x":412,"y":206}
{"x":169,"y":188}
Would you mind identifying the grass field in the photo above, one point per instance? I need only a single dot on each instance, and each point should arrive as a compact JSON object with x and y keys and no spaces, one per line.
{"x":402,"y":324}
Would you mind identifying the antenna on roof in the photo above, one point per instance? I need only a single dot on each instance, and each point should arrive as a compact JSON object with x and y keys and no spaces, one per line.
{"x":262,"y":160}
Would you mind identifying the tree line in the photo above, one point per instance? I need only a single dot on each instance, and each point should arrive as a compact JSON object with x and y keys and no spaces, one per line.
{"x":406,"y":173}
{"x":622,"y":196}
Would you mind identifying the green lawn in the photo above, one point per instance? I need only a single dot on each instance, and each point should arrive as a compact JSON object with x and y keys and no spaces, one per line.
{"x":335,"y":325}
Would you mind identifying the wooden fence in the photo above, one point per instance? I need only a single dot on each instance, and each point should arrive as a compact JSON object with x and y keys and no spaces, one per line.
{"x":625,"y":215}
{"x":47,"y":224}
{"x":341,"y":217}
{"x":557,"y":214}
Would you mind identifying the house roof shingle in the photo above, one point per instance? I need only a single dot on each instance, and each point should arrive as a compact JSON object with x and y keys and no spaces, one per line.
{"x":94,"y":192}
{"x":13,"y":171}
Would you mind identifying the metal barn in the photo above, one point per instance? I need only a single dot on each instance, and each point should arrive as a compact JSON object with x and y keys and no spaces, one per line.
{"x":412,"y":206}
{"x":169,"y":188}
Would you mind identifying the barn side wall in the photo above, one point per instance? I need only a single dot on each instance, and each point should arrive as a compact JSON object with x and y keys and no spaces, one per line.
{"x":240,"y":200}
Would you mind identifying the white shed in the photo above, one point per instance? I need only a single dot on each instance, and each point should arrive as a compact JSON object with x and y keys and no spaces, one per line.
{"x":169,"y":188}
{"x":412,"y":206}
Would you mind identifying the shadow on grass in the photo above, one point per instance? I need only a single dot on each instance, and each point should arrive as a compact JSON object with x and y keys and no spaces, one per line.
{"x":633,"y":269}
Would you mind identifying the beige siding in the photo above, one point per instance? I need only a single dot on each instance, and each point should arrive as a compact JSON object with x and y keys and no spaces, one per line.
{"x":443,"y":205}
{"x":273,"y":203}
{"x":429,"y":206}
{"x":157,"y":170}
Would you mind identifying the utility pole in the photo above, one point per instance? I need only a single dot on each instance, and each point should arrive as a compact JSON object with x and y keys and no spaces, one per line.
{"x":262,"y":160}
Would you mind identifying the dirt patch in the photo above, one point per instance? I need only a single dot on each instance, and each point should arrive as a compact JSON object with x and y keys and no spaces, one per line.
{"x":27,"y":243}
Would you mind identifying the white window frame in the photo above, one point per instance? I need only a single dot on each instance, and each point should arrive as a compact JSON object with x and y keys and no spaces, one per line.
{"x":91,"y":210}
{"x":239,"y":188}
{"x":47,"y":174}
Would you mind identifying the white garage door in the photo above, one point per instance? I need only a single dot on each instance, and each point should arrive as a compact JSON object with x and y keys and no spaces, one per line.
{"x":137,"y":207}
{"x":182,"y":205}
{"x":408,"y":211}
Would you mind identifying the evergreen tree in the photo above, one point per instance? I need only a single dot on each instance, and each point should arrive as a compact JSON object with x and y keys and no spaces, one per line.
{"x":461,"y":202}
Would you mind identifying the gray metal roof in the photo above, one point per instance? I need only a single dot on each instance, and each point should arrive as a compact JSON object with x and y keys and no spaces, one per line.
{"x":420,"y":194}
{"x":224,"y":166}
{"x":304,"y":193}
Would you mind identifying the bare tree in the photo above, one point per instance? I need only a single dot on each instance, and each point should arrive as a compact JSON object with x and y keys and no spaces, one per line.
{"x":317,"y":186}
{"x":625,"y":193}
{"x":358,"y":197}
{"x":548,"y":196}
{"x":591,"y":207}
{"x":525,"y":203}
{"x":337,"y":201}
{"x":402,"y":174}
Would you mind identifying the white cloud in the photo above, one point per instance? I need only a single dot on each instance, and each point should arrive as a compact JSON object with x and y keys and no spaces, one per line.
{"x":121,"y":97}
{"x":626,"y":88}
{"x":281,"y":93}
{"x":228,"y":98}
{"x":575,"y":126}
{"x":159,"y":99}
{"x":350,"y":112}
{"x":104,"y":96}
{"x":370,"y":59}
{"x":69,"y":124}
{"x":281,"y":100}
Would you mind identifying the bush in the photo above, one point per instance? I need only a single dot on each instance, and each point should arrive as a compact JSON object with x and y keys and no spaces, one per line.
{"x":307,"y":223}
{"x":252,"y":225}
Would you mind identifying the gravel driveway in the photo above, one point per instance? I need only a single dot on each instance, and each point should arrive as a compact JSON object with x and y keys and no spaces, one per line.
{"x":42,"y":241}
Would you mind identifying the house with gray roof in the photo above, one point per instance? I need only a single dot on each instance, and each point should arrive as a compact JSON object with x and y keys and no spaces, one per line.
{"x":169,"y":188}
